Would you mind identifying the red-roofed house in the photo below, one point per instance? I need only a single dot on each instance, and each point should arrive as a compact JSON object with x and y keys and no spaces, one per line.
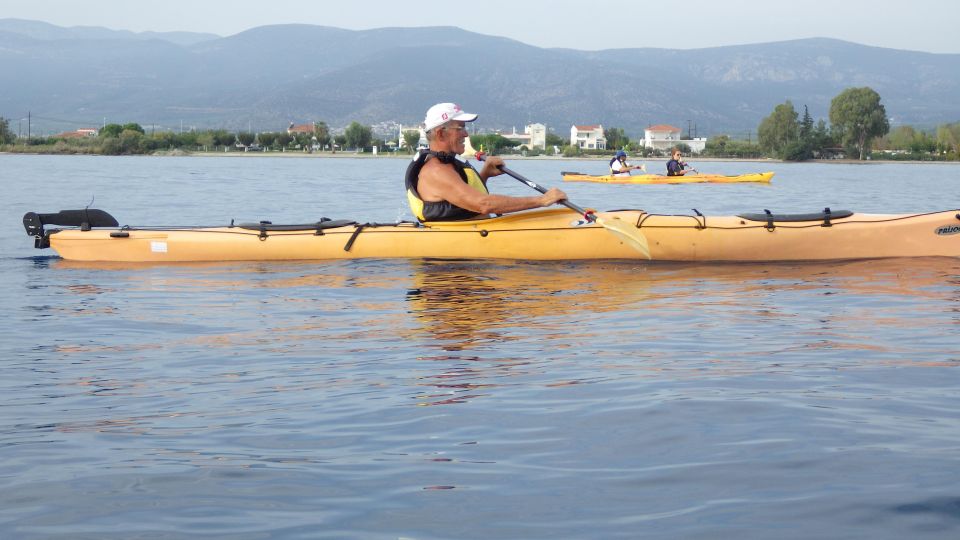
{"x":77,"y":134}
{"x":588,"y":137}
{"x":664,"y":137}
{"x":306,"y":129}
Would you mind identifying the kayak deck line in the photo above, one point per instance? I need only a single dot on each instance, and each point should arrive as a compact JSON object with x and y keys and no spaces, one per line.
{"x":772,"y":221}
{"x":551,"y":234}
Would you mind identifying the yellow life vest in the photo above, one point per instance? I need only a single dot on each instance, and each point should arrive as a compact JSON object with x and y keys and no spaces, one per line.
{"x":440,"y":210}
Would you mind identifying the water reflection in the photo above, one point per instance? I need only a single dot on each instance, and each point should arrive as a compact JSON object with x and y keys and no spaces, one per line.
{"x":467,"y":329}
{"x":468,"y":304}
{"x":729,"y":314}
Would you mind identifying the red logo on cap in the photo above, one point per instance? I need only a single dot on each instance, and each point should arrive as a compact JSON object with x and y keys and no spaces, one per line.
{"x":444,"y":116}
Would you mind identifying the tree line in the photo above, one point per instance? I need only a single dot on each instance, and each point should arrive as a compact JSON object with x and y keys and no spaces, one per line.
{"x":858,"y":128}
{"x":856,"y":118}
{"x":132,"y":138}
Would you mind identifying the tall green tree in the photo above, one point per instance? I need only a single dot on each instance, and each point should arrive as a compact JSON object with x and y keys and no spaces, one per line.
{"x":206,"y":140}
{"x":222,"y":137}
{"x":187,"y":139}
{"x":284,"y":139}
{"x":555,"y":140}
{"x":111,"y":130}
{"x":358,"y":136}
{"x":130,"y":141}
{"x":858,"y":117}
{"x":302,"y":140}
{"x":923,"y":143}
{"x":616,"y":138}
{"x":779,"y":131}
{"x":322,"y":132}
{"x":6,"y":136}
{"x":803,"y":148}
{"x":822,"y":139}
{"x":267,"y":139}
{"x":806,"y":126}
{"x":948,"y":138}
{"x":246,"y":138}
{"x":900,"y":138}
{"x":411,"y":138}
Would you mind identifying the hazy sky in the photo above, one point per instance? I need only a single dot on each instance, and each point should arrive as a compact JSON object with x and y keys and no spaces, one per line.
{"x":920,"y":25}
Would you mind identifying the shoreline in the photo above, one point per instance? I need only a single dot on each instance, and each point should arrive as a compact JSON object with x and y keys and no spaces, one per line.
{"x":349,"y":155}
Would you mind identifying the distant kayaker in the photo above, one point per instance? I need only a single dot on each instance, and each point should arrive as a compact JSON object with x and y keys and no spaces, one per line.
{"x":675,"y":166}
{"x":620,"y":167}
{"x":442,"y":187}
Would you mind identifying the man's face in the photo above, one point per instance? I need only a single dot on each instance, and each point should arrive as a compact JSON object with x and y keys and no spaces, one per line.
{"x":454,"y":134}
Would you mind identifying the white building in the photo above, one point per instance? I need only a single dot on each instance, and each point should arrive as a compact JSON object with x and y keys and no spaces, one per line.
{"x":664,"y":137}
{"x":588,"y":137}
{"x":533,"y":136}
{"x":538,"y":135}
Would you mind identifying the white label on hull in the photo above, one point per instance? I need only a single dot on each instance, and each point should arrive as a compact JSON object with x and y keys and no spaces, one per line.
{"x":158,"y":247}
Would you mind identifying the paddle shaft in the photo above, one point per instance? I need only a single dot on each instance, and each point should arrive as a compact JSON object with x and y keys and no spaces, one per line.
{"x":587,"y":215}
{"x":629,"y":235}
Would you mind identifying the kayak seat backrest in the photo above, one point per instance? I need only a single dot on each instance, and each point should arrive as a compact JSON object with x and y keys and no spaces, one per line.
{"x":320,"y":225}
{"x":825,"y":215}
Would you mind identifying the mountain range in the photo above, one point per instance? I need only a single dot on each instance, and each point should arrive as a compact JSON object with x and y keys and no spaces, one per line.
{"x":267,"y":77}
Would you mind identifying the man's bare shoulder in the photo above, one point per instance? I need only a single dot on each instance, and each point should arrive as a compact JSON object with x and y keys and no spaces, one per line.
{"x":435,"y":169}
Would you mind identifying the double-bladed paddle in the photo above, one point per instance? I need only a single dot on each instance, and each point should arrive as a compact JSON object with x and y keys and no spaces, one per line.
{"x":629,"y":234}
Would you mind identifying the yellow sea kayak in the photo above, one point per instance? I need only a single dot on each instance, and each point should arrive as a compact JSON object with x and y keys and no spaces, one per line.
{"x":554,"y":234}
{"x":663,"y":179}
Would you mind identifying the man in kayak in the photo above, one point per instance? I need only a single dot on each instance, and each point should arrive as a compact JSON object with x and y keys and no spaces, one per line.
{"x":620,"y":167}
{"x":441,"y":187}
{"x":675,"y":166}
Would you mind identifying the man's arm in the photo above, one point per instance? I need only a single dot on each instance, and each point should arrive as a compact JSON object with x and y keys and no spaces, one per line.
{"x":441,"y":183}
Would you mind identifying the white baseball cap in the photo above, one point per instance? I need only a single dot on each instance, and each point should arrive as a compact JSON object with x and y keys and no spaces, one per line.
{"x":441,"y":113}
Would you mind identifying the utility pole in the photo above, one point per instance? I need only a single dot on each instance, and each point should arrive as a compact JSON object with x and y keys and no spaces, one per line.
{"x":689,"y":133}
{"x":28,"y":125}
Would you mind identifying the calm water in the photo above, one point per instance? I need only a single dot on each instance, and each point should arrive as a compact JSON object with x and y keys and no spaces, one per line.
{"x":471,"y":399}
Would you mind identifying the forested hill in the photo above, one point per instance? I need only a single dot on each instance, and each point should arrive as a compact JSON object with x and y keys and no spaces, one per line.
{"x":267,"y":77}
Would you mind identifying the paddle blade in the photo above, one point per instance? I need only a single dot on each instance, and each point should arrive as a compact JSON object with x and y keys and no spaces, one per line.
{"x":628,"y":233}
{"x":468,"y":151}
